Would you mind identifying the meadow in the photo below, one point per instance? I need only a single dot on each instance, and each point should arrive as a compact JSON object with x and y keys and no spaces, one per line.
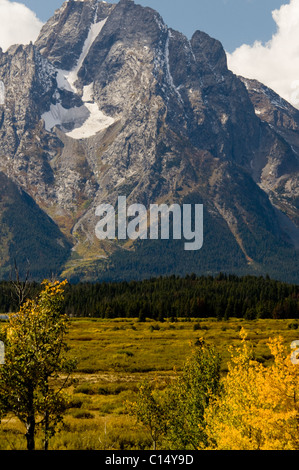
{"x":114,"y":357}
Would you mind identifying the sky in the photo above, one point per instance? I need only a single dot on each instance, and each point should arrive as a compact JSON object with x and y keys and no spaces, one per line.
{"x":260,"y":36}
{"x":233,"y":22}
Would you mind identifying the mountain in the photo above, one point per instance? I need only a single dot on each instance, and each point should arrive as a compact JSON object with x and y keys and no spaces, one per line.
{"x":28,"y":235}
{"x":111,"y":102}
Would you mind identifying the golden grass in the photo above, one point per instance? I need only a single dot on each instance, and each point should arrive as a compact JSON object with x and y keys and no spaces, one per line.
{"x":115,"y":356}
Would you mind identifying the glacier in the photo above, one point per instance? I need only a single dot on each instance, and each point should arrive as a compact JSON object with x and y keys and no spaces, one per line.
{"x":87,"y":119}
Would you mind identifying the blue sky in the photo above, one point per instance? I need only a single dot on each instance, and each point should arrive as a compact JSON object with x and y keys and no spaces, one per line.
{"x":260,"y":36}
{"x":233,"y":22}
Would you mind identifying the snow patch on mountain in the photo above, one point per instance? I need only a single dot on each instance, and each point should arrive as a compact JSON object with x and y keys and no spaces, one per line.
{"x":2,"y":93}
{"x":67,"y":79}
{"x":59,"y":116}
{"x":96,"y":122}
{"x":88,"y":119}
{"x":87,"y":96}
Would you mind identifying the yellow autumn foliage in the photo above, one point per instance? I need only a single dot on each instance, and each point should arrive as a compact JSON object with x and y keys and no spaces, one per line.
{"x":21,"y":323}
{"x":258,"y":408}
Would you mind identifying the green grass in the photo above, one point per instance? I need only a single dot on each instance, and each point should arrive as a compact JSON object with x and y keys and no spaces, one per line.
{"x":114,"y":356}
{"x":126,"y":346}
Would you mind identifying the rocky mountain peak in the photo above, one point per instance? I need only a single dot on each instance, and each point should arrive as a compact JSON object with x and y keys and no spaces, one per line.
{"x":110,"y":101}
{"x":213,"y":50}
{"x":62,"y":38}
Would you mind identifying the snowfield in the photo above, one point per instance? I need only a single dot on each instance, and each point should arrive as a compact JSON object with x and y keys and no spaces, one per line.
{"x":2,"y":93}
{"x":87,"y":119}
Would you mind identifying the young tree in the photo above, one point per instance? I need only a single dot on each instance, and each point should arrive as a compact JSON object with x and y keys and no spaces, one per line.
{"x":35,"y":355}
{"x":150,"y":411}
{"x":189,"y":396}
{"x":259,"y":408}
{"x":176,"y":415}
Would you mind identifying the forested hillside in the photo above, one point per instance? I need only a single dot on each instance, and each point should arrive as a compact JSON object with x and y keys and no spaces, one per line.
{"x":223,"y":296}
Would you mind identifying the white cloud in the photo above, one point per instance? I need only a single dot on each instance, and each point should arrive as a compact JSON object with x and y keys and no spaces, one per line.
{"x":276,"y":63}
{"x":18,"y":24}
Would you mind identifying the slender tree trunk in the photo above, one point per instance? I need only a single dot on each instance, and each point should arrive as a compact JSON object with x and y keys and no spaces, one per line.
{"x":30,"y":425}
{"x":46,"y":440}
{"x":30,"y":434}
{"x":46,"y":428}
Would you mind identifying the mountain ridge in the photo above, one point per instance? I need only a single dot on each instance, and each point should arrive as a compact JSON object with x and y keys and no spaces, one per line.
{"x":113,"y":102}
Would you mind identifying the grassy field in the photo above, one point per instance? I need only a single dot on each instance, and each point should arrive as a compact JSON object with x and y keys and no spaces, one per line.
{"x":115,"y":356}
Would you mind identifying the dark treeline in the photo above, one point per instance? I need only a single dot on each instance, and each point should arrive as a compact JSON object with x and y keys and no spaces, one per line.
{"x":223,"y":296}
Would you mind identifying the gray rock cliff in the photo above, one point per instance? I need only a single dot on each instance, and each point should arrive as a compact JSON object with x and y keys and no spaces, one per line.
{"x":110,"y":101}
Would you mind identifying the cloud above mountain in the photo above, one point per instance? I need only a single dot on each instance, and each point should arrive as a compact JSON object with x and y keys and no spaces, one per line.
{"x":276,"y":63}
{"x":18,"y":24}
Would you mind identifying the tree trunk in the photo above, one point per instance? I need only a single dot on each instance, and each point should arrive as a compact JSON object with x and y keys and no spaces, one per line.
{"x":30,"y":425}
{"x":30,"y":434}
{"x":46,"y":428}
{"x":46,"y":440}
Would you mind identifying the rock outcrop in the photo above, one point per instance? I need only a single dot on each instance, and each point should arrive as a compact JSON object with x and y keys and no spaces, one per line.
{"x":109,"y":101}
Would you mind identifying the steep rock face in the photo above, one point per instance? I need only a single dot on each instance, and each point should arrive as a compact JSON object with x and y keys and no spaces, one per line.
{"x":62,"y":39}
{"x":28,"y":236}
{"x":28,"y":81}
{"x":116,"y":103}
{"x":279,"y":176}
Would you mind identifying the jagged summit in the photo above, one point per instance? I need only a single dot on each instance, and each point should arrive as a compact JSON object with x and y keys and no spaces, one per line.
{"x":62,"y":38}
{"x":110,"y":101}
